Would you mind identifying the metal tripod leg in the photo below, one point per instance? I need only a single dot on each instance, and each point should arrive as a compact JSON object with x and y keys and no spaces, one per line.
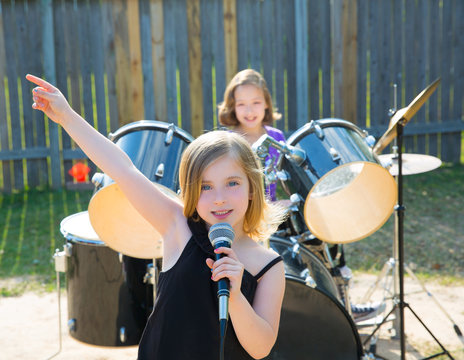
{"x":430,"y":295}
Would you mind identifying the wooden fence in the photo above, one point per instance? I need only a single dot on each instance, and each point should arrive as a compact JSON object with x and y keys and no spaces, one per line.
{"x":120,"y":61}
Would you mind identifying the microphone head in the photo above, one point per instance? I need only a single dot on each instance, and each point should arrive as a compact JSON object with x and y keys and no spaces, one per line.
{"x":221,"y":232}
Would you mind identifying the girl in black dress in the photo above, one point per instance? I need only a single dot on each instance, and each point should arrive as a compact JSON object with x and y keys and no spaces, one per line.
{"x":221,"y":181}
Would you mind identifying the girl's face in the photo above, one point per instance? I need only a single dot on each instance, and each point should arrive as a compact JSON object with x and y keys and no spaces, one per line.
{"x":250,"y":106}
{"x":225,"y":192}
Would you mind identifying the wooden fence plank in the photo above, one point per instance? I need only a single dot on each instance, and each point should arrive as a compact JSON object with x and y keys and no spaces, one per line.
{"x":136,"y":79}
{"x":171,"y":61}
{"x":434,"y":57}
{"x":9,"y":20}
{"x":361,"y":86}
{"x":243,"y":8}
{"x":122,"y":52}
{"x":48,"y":51}
{"x":349,"y":53}
{"x":229,"y":8}
{"x":208,"y":33}
{"x":314,"y":60}
{"x":267,"y":41}
{"x":280,"y":64}
{"x":159,"y":70}
{"x":182,"y":48}
{"x":446,"y":78}
{"x":195,"y":68}
{"x":110,"y":63}
{"x":147,"y":59}
{"x":98,"y":68}
{"x":301,"y":64}
{"x":4,"y":141}
{"x":219,"y":55}
{"x":326,"y":61}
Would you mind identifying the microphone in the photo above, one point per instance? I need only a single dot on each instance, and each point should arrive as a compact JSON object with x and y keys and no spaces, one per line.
{"x":222,"y":235}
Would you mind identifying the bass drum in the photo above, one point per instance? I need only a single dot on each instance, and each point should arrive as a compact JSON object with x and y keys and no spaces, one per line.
{"x":108,"y":300}
{"x":155,"y":148}
{"x":313,"y":324}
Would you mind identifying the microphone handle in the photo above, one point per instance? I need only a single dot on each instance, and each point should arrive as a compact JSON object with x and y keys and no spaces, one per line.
{"x":224,"y":283}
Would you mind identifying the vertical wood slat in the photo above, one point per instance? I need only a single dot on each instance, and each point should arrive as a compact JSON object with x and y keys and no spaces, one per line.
{"x":447,"y":35}
{"x":171,"y":62}
{"x":23,"y":63}
{"x":361,"y":59}
{"x":147,"y":59}
{"x":182,"y":48}
{"x":61,"y":75}
{"x":326,"y":61}
{"x":434,"y":59}
{"x":159,"y":70}
{"x":4,"y":142}
{"x":9,"y":21}
{"x":50,"y":74}
{"x":279,"y":38}
{"x":86,"y":64}
{"x":195,"y":69}
{"x":292,"y":117}
{"x":349,"y":69}
{"x":230,"y":37}
{"x":208,"y":32}
{"x":110,"y":63}
{"x":219,"y":54}
{"x":314,"y":60}
{"x":301,"y":64}
{"x":136,"y":79}
{"x":122,"y":52}
{"x":37,"y":68}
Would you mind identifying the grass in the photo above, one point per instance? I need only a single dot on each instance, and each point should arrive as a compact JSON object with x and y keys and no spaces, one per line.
{"x":433,"y":232}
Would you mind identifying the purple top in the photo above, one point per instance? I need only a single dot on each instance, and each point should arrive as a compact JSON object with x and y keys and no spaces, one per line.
{"x":273,"y":153}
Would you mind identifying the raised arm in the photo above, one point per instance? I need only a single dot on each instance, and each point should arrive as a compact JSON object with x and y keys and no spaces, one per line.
{"x":140,"y":191}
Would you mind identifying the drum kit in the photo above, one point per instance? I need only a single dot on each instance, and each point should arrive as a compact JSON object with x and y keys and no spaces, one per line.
{"x":340,"y":191}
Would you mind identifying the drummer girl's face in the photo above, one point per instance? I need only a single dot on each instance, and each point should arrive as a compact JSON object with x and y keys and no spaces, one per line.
{"x":225,"y":193}
{"x":250,"y":106}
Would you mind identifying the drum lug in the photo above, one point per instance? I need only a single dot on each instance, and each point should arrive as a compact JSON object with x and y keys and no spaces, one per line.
{"x":169,"y":134}
{"x":317,"y":129}
{"x":72,"y":325}
{"x":60,"y":261}
{"x":97,"y":179}
{"x":122,"y":334}
{"x":335,"y":155}
{"x":308,"y":279}
{"x":160,"y":171}
{"x":370,"y":140}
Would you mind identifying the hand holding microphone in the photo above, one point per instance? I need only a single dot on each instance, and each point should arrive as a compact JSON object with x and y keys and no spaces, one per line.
{"x":222,"y":235}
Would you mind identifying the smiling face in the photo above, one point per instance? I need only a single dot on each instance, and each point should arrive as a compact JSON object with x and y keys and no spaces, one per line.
{"x":225,"y":193}
{"x":250,"y":107}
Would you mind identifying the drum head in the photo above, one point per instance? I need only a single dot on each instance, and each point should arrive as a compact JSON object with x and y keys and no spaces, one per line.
{"x":314,"y":326}
{"x":350,"y":202}
{"x":121,"y":226}
{"x":77,"y":228}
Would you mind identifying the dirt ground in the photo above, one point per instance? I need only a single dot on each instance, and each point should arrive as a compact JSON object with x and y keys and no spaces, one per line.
{"x":29,"y":326}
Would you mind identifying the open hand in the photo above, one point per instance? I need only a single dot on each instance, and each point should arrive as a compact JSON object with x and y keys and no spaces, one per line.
{"x":48,"y":99}
{"x":227,"y":267}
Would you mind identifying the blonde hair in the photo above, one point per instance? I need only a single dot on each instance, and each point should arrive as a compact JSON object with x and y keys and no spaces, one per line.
{"x":227,"y":116}
{"x":261,"y":218}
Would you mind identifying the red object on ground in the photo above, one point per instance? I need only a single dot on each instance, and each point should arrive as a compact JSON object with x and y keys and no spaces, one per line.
{"x":79,"y":171}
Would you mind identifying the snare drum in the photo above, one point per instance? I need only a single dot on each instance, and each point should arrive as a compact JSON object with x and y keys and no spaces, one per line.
{"x":108,"y":301}
{"x":348,"y":193}
{"x":314,"y":324}
{"x":155,"y":148}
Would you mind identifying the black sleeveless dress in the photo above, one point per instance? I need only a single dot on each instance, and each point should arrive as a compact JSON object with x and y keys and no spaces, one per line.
{"x":184,"y":323}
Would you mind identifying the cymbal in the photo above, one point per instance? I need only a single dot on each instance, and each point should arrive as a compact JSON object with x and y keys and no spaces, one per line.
{"x":120,"y":226}
{"x":405,"y":114}
{"x":412,"y":163}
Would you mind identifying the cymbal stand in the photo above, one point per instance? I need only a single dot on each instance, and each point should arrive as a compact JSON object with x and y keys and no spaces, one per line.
{"x":399,"y":303}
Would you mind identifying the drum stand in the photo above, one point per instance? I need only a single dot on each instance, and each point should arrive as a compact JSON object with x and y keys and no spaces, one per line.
{"x":398,"y":299}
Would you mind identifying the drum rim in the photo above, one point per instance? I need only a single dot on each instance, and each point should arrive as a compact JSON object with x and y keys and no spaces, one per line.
{"x":148,"y":125}
{"x":312,"y":256}
{"x":357,"y":337}
{"x":75,"y":238}
{"x":323,"y":123}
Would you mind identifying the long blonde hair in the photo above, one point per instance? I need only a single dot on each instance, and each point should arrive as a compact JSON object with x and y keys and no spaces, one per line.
{"x":227,"y":116}
{"x":261,"y":218}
